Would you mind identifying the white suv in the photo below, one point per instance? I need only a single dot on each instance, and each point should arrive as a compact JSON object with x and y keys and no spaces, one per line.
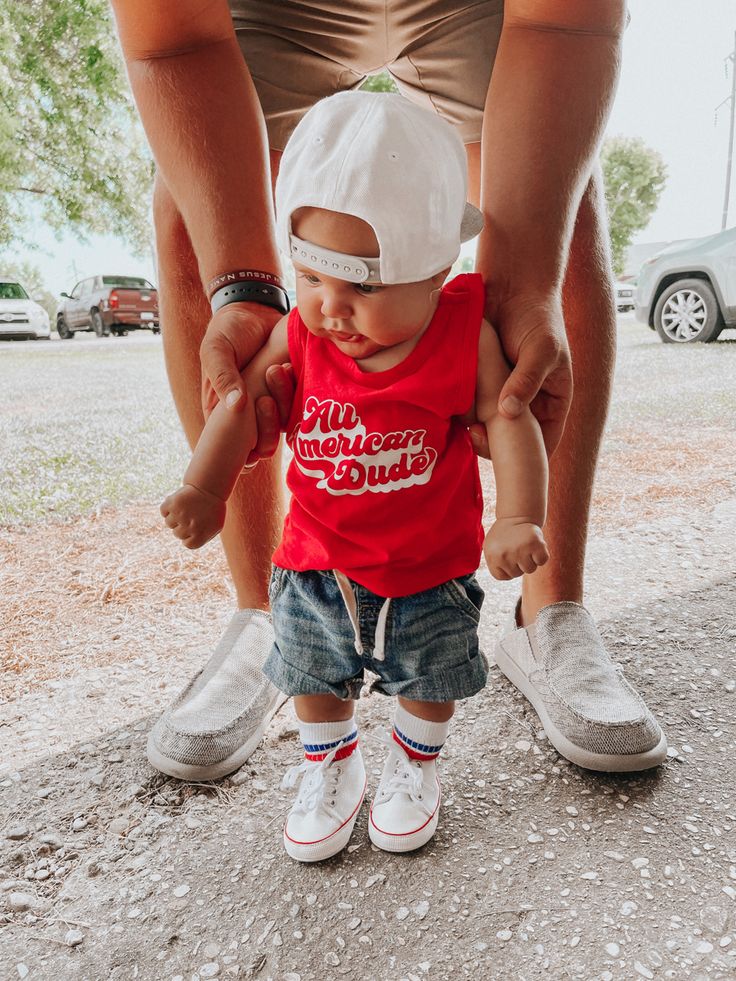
{"x":20,"y":316}
{"x":687,"y":292}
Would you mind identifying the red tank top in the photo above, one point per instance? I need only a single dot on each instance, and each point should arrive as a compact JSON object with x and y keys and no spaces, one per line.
{"x":384,"y":480}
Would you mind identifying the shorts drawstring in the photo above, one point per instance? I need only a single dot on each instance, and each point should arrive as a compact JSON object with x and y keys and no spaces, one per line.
{"x":348,"y":594}
{"x":379,"y":644}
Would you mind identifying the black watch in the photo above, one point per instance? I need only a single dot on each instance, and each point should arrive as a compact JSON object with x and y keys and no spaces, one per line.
{"x":251,"y":291}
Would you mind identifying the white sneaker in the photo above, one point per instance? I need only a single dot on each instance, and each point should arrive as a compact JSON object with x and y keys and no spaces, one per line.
{"x":406,"y":807}
{"x":324,"y":813}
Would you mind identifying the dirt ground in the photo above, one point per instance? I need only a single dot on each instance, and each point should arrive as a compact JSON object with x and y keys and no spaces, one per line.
{"x":108,"y":870}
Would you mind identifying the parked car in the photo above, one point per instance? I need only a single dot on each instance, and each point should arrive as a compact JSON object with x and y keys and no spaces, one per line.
{"x":21,"y":318}
{"x":108,"y":305}
{"x":625,"y":293}
{"x":687,"y":292}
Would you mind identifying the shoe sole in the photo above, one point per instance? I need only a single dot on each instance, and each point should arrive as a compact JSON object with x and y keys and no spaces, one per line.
{"x":406,"y":842}
{"x":319,"y":851}
{"x":213,"y":771}
{"x":601,"y":762}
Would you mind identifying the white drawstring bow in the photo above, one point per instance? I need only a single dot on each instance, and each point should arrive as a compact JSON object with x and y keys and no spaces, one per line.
{"x":318,"y":775}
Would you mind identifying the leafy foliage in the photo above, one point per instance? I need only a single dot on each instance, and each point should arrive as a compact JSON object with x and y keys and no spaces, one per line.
{"x":70,"y":140}
{"x":634,"y":176}
{"x":379,"y":83}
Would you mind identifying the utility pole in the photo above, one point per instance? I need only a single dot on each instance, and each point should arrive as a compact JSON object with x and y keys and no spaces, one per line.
{"x":732,"y":99}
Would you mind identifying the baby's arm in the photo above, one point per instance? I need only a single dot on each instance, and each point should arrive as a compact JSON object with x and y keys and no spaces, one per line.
{"x":514,"y":544}
{"x":196,"y":511}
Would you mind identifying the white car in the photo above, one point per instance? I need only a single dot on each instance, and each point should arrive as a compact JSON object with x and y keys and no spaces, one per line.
{"x":625,"y":294}
{"x":687,"y":291}
{"x":20,"y":316}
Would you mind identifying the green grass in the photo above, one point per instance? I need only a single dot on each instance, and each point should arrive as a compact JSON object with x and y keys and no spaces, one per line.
{"x":85,"y":423}
{"x":688,"y":385}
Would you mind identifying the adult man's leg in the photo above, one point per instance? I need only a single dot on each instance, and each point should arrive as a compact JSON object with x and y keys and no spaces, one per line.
{"x":219,"y":718}
{"x":553,"y":652}
{"x":590,"y":323}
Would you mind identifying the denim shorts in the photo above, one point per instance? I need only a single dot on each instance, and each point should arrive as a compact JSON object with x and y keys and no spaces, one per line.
{"x":329,"y":630}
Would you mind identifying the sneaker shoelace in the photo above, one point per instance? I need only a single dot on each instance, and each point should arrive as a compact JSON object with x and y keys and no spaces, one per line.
{"x":319,"y":780}
{"x":407,"y":778}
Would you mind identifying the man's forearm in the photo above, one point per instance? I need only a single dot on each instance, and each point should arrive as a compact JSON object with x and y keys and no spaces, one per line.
{"x":206,"y":130}
{"x":550,"y":94}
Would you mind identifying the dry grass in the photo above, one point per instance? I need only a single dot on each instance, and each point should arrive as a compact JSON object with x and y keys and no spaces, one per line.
{"x":92,"y":591}
{"x":644,"y":475}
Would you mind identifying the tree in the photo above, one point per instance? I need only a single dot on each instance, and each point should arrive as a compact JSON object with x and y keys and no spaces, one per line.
{"x":71,"y":147}
{"x":379,"y":83}
{"x":634,"y":176}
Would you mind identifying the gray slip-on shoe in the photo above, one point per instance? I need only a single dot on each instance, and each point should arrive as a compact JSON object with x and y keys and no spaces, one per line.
{"x":590,"y":713}
{"x":218,"y":720}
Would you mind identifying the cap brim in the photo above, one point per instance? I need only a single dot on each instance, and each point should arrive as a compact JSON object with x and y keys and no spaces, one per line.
{"x":472,"y":223}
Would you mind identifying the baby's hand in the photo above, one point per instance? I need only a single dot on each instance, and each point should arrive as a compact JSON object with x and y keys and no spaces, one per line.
{"x":194,"y":515}
{"x":514,"y":546}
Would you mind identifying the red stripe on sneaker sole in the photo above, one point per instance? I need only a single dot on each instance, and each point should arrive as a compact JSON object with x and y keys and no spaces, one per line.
{"x":408,"y":834}
{"x":318,"y":841}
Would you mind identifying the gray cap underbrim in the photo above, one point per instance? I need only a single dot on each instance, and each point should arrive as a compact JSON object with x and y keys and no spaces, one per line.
{"x":472,"y":223}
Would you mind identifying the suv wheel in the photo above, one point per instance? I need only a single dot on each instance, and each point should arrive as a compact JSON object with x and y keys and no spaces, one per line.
{"x":98,"y":324}
{"x":63,"y":330}
{"x":687,"y":312}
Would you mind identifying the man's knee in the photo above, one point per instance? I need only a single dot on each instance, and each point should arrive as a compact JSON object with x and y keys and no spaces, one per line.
{"x":167,"y":219}
{"x":176,"y":260}
{"x":589,"y":265}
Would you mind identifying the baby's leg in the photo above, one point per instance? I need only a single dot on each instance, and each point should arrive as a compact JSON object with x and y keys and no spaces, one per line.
{"x":322,"y":708}
{"x":406,"y":806}
{"x":332,"y":784}
{"x":431,"y":711}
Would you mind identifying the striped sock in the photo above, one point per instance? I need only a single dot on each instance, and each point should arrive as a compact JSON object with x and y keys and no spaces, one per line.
{"x":320,"y":738}
{"x":420,"y":739}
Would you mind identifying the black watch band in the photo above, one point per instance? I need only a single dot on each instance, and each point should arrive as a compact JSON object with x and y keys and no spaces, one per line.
{"x":251,"y":291}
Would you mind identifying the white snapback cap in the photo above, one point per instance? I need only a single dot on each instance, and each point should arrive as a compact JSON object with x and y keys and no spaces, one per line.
{"x":400,"y":168}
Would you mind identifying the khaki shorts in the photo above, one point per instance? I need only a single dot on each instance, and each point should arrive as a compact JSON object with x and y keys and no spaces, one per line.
{"x":439,"y":52}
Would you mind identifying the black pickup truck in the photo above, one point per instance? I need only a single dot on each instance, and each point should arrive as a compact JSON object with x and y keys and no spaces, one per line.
{"x":108,"y":305}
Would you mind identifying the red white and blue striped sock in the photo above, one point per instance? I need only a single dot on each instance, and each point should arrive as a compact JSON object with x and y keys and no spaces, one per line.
{"x":422,"y":740}
{"x":321,"y":738}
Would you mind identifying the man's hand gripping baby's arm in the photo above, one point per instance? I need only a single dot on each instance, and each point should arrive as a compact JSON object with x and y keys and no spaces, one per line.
{"x":196,"y":511}
{"x":515,"y":543}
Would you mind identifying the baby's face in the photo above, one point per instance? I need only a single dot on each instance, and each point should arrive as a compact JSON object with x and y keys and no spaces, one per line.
{"x":359,"y":319}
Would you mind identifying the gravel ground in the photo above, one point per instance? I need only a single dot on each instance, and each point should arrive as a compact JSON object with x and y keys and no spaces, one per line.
{"x":538,"y":870}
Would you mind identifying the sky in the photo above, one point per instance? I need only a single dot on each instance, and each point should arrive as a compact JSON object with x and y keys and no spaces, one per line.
{"x":672,"y":79}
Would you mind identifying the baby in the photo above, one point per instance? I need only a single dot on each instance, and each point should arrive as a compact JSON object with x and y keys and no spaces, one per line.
{"x":375,"y":569}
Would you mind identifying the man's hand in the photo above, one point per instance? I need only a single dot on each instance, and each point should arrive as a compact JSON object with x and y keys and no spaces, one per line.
{"x":234,"y":336}
{"x":532,"y":332}
{"x":193,"y":515}
{"x":514,"y":546}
